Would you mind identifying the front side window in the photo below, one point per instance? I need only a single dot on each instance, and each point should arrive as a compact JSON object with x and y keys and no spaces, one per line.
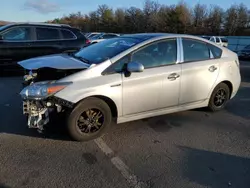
{"x":67,"y":34}
{"x":157,"y":54}
{"x":47,"y":34}
{"x":17,"y":34}
{"x":217,"y":39}
{"x":195,"y":50}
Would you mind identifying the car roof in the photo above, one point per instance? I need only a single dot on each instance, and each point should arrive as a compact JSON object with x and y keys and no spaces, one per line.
{"x":147,"y":36}
{"x":38,"y":24}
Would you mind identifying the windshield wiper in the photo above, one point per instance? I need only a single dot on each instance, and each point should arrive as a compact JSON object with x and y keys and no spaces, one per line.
{"x":79,"y":58}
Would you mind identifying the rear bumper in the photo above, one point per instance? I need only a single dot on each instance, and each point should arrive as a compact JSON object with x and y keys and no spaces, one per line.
{"x":236,"y":85}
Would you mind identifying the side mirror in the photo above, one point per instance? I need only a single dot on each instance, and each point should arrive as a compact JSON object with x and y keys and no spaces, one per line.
{"x":135,"y":67}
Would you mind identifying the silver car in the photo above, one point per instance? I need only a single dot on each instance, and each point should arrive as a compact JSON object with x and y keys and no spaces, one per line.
{"x":128,"y":78}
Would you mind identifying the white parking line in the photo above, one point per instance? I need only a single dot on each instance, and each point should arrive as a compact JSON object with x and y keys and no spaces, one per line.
{"x":120,"y":165}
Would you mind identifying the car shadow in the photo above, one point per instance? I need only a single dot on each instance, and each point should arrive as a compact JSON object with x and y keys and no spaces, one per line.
{"x":3,"y":186}
{"x":240,"y":105}
{"x":216,"y":170}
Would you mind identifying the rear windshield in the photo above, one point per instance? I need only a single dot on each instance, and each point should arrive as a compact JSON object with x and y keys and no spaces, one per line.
{"x":224,"y":40}
{"x":99,"y":52}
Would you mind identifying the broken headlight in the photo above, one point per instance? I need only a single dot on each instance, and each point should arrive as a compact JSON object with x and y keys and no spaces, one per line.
{"x":42,"y":90}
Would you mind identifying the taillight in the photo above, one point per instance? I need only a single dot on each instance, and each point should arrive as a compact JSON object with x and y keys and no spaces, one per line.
{"x":88,"y":41}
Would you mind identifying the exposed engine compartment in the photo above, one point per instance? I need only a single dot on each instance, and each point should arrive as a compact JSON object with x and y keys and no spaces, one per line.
{"x":47,"y":73}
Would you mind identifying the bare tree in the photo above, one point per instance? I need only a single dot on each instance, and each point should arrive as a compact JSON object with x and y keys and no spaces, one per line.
{"x":120,"y":20}
{"x":199,"y":18}
{"x":214,"y":22}
{"x":150,"y":11}
{"x":184,"y":17}
{"x":155,"y":17}
{"x":134,"y":20}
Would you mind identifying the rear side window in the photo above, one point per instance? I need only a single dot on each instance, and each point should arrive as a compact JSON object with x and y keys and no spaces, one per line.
{"x":224,"y":40}
{"x":67,"y":34}
{"x":47,"y":34}
{"x":195,"y":50}
{"x":215,"y":50}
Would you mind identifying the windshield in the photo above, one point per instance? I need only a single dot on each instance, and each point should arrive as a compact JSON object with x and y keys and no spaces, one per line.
{"x":107,"y":49}
{"x":95,"y":36}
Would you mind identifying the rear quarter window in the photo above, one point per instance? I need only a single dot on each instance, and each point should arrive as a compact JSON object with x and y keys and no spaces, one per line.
{"x":215,"y":50}
{"x":67,"y":34}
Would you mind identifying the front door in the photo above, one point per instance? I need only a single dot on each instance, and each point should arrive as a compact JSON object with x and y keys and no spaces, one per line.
{"x":158,"y":85}
{"x":15,"y":45}
{"x":199,"y":71}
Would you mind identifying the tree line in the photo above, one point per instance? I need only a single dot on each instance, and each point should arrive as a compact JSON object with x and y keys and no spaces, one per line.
{"x":154,"y":17}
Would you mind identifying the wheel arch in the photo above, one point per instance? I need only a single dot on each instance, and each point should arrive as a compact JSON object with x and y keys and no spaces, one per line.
{"x":230,"y":86}
{"x":112,"y":105}
{"x":228,"y":83}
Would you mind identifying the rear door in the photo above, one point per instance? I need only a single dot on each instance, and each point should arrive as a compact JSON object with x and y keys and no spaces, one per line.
{"x":15,"y":45}
{"x":200,"y":69}
{"x":47,"y":41}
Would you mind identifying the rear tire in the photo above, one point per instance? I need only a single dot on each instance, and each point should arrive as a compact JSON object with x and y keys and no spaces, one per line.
{"x":89,"y":119}
{"x":219,"y":97}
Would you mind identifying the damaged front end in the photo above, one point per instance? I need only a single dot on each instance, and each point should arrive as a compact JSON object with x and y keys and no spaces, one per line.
{"x":39,"y":102}
{"x":41,"y":83}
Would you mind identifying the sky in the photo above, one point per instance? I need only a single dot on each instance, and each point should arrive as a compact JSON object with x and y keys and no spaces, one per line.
{"x":43,"y":10}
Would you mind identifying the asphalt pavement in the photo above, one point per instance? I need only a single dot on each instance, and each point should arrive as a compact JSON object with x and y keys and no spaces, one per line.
{"x":188,"y":149}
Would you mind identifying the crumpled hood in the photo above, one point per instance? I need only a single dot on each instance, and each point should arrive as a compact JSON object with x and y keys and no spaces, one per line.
{"x":59,"y":61}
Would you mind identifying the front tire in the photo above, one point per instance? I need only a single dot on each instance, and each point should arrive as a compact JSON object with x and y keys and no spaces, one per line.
{"x":89,"y":119}
{"x":219,"y":97}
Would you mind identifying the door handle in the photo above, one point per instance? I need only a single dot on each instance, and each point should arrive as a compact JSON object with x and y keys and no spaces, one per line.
{"x":173,"y":76}
{"x":212,"y":68}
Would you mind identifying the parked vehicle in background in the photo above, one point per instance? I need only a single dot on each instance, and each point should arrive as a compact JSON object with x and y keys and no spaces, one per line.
{"x":102,"y":37}
{"x":26,"y":40}
{"x":206,"y":37}
{"x":128,"y":78}
{"x":244,"y":53}
{"x":222,"y":41}
{"x":89,"y":35}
